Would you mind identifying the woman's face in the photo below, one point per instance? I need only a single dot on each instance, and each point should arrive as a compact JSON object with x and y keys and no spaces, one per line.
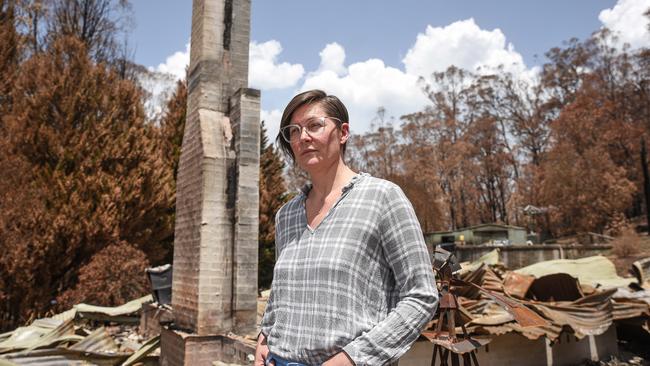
{"x":319,"y":151}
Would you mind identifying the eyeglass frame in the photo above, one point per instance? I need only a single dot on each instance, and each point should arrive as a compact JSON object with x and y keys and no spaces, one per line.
{"x":301,"y":127}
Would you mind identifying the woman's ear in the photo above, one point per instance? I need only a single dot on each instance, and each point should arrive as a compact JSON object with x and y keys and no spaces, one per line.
{"x":345,"y":133}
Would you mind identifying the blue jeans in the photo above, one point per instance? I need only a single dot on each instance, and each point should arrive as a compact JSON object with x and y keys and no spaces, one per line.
{"x":281,"y":361}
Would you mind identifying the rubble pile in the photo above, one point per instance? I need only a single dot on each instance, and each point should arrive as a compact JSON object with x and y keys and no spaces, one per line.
{"x":83,"y":335}
{"x":572,"y":298}
{"x":579,"y":298}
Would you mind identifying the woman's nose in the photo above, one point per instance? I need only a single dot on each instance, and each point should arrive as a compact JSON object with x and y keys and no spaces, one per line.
{"x":304,"y":135}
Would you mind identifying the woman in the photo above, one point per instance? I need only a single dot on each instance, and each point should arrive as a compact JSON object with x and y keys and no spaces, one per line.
{"x":352,"y":283}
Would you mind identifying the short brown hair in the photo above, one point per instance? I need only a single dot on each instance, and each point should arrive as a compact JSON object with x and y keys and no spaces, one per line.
{"x":332,"y":106}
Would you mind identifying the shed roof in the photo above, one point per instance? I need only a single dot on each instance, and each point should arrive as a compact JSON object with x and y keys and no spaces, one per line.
{"x":480,"y":227}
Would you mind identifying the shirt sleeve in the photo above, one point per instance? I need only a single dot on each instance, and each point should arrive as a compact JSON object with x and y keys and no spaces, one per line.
{"x":408,"y":258}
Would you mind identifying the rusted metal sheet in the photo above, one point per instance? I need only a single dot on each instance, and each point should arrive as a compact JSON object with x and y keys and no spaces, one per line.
{"x":591,"y":315}
{"x":492,"y":306}
{"x":517,"y":284}
{"x":64,"y":356}
{"x":42,"y":333}
{"x":491,"y":281}
{"x":641,"y":270}
{"x":551,"y":331}
{"x":97,"y":341}
{"x":56,"y":341}
{"x":524,"y":316}
{"x":491,"y":314}
{"x":556,"y":287}
{"x":631,"y":304}
{"x":629,"y":309}
{"x":460,"y":347}
{"x":597,"y":271}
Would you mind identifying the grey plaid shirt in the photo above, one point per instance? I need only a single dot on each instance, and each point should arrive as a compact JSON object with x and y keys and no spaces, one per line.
{"x":361,"y":281}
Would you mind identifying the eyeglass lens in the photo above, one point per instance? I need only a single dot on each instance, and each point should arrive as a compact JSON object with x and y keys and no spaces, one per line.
{"x":314,"y":126}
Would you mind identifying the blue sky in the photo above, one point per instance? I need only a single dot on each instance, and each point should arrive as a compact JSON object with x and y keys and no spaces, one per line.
{"x":370,"y":52}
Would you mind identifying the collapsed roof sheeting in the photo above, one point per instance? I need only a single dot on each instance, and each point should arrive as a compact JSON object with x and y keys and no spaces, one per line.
{"x":591,"y":315}
{"x":641,"y":270}
{"x":41,"y":333}
{"x":517,"y":284}
{"x":556,"y":287}
{"x":556,"y":280}
{"x":597,"y":271}
{"x":58,"y":341}
{"x":120,"y":313}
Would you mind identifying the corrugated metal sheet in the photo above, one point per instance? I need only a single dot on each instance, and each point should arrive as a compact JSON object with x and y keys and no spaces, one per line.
{"x":551,"y":331}
{"x":517,"y":284}
{"x":595,"y":271}
{"x":147,"y":348}
{"x":42,"y":333}
{"x":641,"y":269}
{"x":628,"y":304}
{"x":593,"y":318}
{"x":45,"y":341}
{"x":556,"y":287}
{"x":97,"y":341}
{"x":65,"y":356}
{"x":578,"y":314}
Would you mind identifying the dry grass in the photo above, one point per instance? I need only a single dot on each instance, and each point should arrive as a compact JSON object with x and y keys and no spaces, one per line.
{"x":627,"y":245}
{"x":627,"y":249}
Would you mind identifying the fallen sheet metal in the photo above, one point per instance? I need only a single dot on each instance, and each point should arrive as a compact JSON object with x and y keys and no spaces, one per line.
{"x":556,"y":287}
{"x":460,"y":346}
{"x":64,"y":356}
{"x":146,"y":349}
{"x":523,"y":315}
{"x":491,"y":314}
{"x":591,"y":315}
{"x":597,"y":271}
{"x":98,"y":340}
{"x":126,"y":313}
{"x":629,"y":305}
{"x":517,"y":284}
{"x":483,"y":276}
{"x":559,"y":298}
{"x":57,"y":341}
{"x":624,"y":294}
{"x":490,"y":258}
{"x":641,"y":270}
{"x":550,"y":331}
{"x":41,"y":333}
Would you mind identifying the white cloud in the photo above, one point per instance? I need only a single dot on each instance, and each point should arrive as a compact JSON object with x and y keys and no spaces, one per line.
{"x":627,"y":20}
{"x":160,"y":86}
{"x":332,"y":58}
{"x":175,"y":64}
{"x":464,"y":45}
{"x":266,"y":73}
{"x":272,"y":122}
{"x":366,"y":86}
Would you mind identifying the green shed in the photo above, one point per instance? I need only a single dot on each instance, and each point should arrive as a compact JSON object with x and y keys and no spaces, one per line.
{"x":480,"y":234}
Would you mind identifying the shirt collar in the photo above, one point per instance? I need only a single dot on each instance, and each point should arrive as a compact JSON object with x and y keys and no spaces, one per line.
{"x":307,"y":187}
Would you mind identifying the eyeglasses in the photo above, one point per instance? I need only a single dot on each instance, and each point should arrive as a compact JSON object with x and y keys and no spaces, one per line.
{"x":314,"y":127}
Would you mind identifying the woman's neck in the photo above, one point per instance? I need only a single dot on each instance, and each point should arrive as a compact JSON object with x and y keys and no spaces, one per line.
{"x":331,"y":179}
